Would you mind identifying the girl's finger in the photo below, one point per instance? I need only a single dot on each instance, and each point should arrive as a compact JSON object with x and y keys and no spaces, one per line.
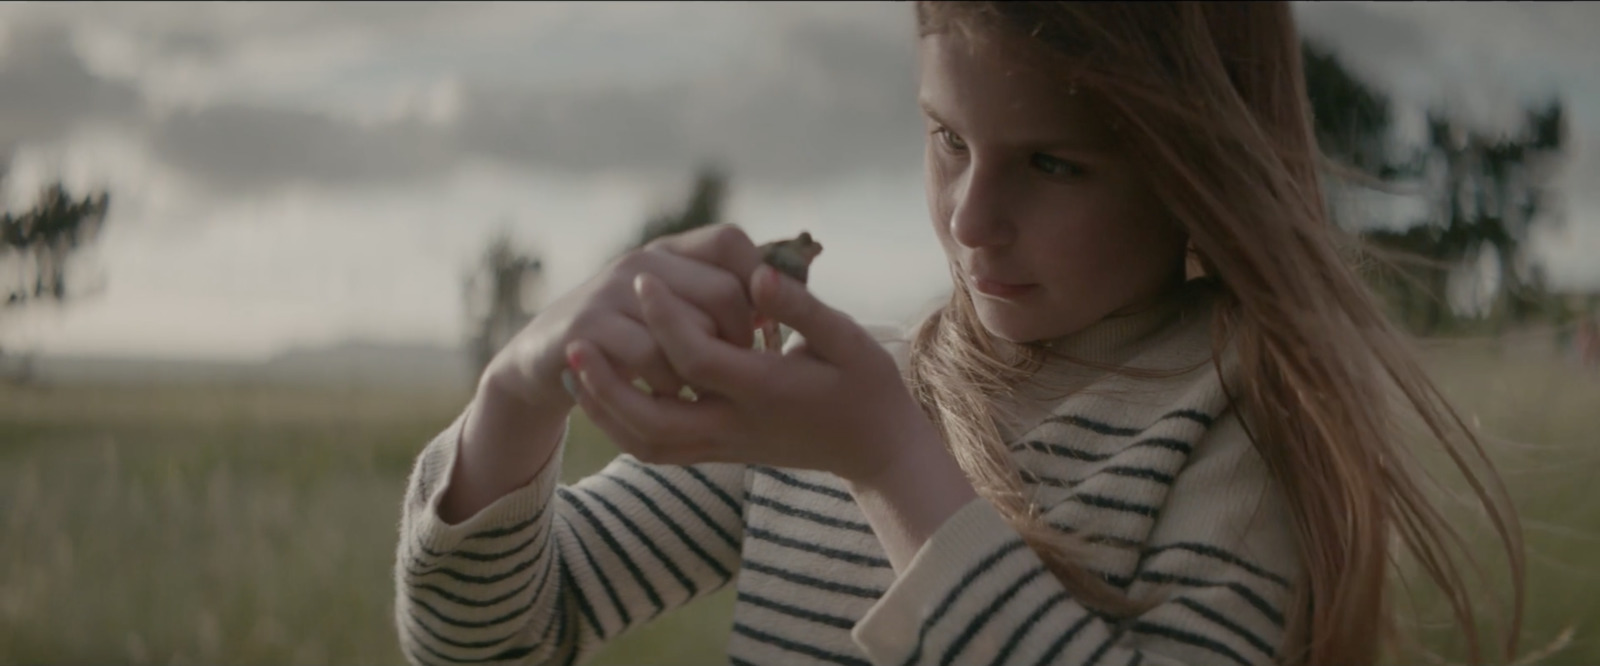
{"x":718,"y":294}
{"x":830,"y":333}
{"x":628,"y":343}
{"x":620,"y":434}
{"x":657,"y":429}
{"x":697,"y":356}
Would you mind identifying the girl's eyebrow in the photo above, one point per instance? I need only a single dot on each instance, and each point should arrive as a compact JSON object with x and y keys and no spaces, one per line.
{"x":927,"y":108}
{"x":1071,"y":145}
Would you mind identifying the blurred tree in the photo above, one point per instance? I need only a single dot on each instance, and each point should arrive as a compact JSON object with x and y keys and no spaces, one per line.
{"x":37,"y":244}
{"x":703,"y":208}
{"x":1489,"y":193}
{"x":501,"y":298}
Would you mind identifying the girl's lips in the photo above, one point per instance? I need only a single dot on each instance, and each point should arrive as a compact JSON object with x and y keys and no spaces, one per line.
{"x":1001,"y":289}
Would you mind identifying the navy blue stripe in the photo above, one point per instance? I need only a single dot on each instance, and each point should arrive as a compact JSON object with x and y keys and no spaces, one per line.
{"x":1061,"y":450}
{"x":800,"y":648}
{"x":649,"y":544}
{"x":1127,"y":471}
{"x":1094,"y":426}
{"x":487,"y":557}
{"x":505,"y":531}
{"x":1027,"y":623}
{"x":1105,"y":646}
{"x":1248,"y":594}
{"x":436,"y":613}
{"x":484,"y":603}
{"x":1145,"y":473}
{"x":1201,"y":418}
{"x":570,"y":642}
{"x":466,"y":578}
{"x":739,"y":662}
{"x":515,"y":611}
{"x":1187,"y":638}
{"x":568,"y":582}
{"x":715,"y":489}
{"x":789,"y":480}
{"x":1064,"y":451}
{"x":983,"y":616}
{"x":1061,"y":643}
{"x":1103,"y":502}
{"x":458,"y":644}
{"x":1201,"y":609}
{"x":967,"y":579}
{"x":812,"y":516}
{"x":616,"y":548}
{"x":817,"y":583}
{"x":647,"y":502}
{"x":796,"y":611}
{"x":544,"y":636}
{"x":676,"y":492}
{"x":807,"y":546}
{"x":1220,"y":554}
{"x":1123,"y":431}
{"x":605,"y":582}
{"x":512,"y":653}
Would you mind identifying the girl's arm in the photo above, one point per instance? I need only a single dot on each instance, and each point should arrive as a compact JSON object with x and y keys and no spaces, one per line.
{"x":549,"y":572}
{"x":908,"y":502}
{"x":1219,"y":556}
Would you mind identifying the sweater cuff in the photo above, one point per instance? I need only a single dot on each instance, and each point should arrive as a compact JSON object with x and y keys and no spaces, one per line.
{"x":513,"y":511}
{"x":889,"y":631}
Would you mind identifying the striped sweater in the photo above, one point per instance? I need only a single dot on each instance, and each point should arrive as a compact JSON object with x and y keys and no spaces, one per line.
{"x":1177,"y":506}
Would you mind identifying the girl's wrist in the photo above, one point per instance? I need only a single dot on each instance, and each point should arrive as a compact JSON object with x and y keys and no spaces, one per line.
{"x":907,"y":500}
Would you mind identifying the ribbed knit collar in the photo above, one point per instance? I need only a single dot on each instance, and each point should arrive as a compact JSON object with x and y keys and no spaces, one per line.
{"x":1168,"y":335}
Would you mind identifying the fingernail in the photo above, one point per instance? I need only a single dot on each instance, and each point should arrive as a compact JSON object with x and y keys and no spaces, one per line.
{"x":568,"y":383}
{"x":573,"y":357}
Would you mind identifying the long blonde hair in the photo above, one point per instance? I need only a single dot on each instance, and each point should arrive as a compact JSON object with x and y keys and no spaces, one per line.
{"x":1211,"y":101}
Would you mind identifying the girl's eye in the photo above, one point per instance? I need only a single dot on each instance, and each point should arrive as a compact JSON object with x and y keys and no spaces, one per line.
{"x":1056,"y":166}
{"x":950,"y":140}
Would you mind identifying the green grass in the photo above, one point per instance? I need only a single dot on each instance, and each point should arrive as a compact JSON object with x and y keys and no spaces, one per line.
{"x":230,"y":525}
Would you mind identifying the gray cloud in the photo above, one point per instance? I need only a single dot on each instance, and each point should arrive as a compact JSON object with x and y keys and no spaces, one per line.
{"x":841,"y":99}
{"x":828,"y":97}
{"x":836,"y":97}
{"x":46,"y":92}
{"x":240,"y":149}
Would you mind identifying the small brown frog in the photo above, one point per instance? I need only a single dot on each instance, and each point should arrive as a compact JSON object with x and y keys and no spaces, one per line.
{"x":793,"y":257}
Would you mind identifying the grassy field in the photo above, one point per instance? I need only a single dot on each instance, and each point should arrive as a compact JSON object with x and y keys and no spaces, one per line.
{"x":235,"y":525}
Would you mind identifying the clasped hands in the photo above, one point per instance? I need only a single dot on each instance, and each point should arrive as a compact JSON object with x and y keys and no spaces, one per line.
{"x":835,"y":401}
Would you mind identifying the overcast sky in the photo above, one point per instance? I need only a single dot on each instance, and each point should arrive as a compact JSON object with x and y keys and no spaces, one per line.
{"x":301,"y":173}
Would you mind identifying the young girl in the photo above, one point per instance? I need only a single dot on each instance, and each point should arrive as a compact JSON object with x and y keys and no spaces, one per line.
{"x":1155,"y":423}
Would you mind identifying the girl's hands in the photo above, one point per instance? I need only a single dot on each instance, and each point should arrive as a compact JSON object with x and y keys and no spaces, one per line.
{"x":835,"y":402}
{"x":517,"y":418}
{"x":705,"y":267}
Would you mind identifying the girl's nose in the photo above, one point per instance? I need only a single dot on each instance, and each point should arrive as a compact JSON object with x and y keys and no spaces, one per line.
{"x":980,"y":216}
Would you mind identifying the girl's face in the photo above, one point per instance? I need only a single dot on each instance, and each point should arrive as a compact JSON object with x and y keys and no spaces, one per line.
{"x":1049,"y":224}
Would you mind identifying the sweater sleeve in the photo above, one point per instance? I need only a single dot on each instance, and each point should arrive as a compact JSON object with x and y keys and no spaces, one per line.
{"x":976,"y":593}
{"x":549,"y":572}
